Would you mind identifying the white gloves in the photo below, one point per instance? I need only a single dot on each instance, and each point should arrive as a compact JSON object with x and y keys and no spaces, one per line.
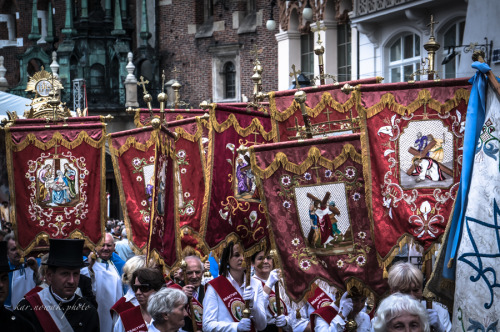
{"x":434,"y":320}
{"x":345,"y":305}
{"x":248,"y":294}
{"x":280,"y":321}
{"x":273,"y":278}
{"x":245,"y":324}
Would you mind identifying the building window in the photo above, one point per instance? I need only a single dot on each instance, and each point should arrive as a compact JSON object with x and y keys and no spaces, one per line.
{"x":307,"y":55}
{"x":452,"y":37}
{"x":404,"y":58}
{"x":209,"y":9}
{"x":229,"y":81}
{"x":97,"y":78}
{"x":344,"y":52}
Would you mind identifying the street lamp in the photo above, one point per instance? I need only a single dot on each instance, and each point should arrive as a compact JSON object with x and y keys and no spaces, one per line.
{"x":307,"y":14}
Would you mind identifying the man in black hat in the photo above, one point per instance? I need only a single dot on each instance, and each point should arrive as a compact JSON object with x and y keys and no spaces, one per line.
{"x":9,"y":320}
{"x":58,"y":308}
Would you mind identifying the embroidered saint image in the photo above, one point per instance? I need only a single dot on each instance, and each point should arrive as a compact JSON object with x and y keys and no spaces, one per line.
{"x":245,"y":187}
{"x":426,"y":155}
{"x":324,"y":217}
{"x":57,"y":183}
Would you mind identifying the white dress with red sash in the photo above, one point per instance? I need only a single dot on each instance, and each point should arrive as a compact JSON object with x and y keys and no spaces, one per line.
{"x":216,"y":315}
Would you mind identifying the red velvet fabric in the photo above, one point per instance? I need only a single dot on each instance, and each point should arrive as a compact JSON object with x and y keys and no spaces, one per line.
{"x":229,"y":210}
{"x":351,"y":257}
{"x":57,"y":182}
{"x":135,"y":167}
{"x":407,"y":208}
{"x":164,"y":239}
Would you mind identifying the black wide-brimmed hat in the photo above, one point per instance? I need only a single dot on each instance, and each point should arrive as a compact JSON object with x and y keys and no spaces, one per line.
{"x":4,"y":261}
{"x":66,"y":253}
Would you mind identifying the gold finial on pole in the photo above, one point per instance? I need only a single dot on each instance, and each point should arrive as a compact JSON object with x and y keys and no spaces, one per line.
{"x":319,"y":50}
{"x":162,"y":97}
{"x":431,"y":47}
{"x":147,"y":97}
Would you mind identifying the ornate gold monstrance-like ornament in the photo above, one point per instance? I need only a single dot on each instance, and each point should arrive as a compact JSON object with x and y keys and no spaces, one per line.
{"x":46,"y":102}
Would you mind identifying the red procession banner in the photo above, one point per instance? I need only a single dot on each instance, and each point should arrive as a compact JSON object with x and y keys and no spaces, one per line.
{"x":330,"y":108}
{"x":315,"y":197}
{"x":233,"y":208}
{"x":191,"y":150}
{"x":164,"y":233}
{"x":415,"y":139}
{"x":133,"y":156}
{"x":142,"y":116}
{"x":56,"y":180}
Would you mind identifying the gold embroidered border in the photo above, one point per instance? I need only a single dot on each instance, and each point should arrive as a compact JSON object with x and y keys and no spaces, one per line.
{"x":424,"y":97}
{"x":137,"y":118}
{"x":181,"y":132}
{"x":57,"y":137}
{"x":313,"y":157}
{"x":326,"y":100}
{"x":255,"y":125}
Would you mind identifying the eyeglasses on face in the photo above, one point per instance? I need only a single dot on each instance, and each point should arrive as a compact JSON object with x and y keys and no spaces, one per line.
{"x":143,"y":287}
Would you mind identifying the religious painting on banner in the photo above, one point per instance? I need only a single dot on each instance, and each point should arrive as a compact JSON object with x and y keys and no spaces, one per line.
{"x":414,"y":139}
{"x":164,"y":233}
{"x":233,"y":210}
{"x":56,"y":179}
{"x":314,"y":192}
{"x":330,"y":108}
{"x":191,"y":150}
{"x":133,"y":155}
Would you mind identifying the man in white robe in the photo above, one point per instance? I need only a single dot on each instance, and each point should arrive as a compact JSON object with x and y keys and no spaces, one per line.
{"x":105,"y":272}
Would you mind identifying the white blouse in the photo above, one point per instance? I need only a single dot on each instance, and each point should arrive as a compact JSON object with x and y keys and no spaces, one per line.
{"x":216,"y":316}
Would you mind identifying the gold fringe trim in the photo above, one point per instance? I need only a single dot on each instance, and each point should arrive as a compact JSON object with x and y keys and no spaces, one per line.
{"x":406,"y":239}
{"x":360,"y":286}
{"x":57,"y":138}
{"x":313,"y":157}
{"x":137,"y":118}
{"x":255,"y":125}
{"x":424,"y":97}
{"x":447,"y":284}
{"x":181,"y":132}
{"x":132,"y":142}
{"x":326,"y":100}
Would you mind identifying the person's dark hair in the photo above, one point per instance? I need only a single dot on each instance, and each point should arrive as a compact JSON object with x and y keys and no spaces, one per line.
{"x":150,"y":276}
{"x":227,"y":253}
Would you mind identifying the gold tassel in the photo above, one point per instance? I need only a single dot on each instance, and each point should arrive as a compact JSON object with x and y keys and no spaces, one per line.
{"x":385,"y":275}
{"x":450,"y":263}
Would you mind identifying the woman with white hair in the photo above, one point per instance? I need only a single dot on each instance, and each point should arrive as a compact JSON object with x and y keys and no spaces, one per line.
{"x":400,"y":312}
{"x":167,"y":308}
{"x":406,"y":278}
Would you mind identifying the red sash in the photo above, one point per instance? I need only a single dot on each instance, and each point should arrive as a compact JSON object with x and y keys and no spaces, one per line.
{"x":41,"y":313}
{"x":319,"y":299}
{"x":172,"y":284}
{"x":272,"y":302}
{"x":121,"y":305}
{"x":230,"y":297}
{"x":35,"y":290}
{"x":198,"y":313}
{"x":132,"y":320}
{"x":328,"y":313}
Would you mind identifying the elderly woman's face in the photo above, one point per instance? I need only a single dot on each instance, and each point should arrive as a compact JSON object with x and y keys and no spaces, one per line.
{"x":176,"y":317}
{"x":405,"y":323}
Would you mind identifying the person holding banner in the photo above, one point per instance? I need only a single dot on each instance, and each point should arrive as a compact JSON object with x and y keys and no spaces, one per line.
{"x":268,"y":277}
{"x":333,"y":319}
{"x":147,"y":281}
{"x":57,"y":307}
{"x":225,"y":296}
{"x":406,"y":278}
{"x":194,"y":291}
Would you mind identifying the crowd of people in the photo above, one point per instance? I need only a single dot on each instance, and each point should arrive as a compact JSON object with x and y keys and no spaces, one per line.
{"x":112,"y":291}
